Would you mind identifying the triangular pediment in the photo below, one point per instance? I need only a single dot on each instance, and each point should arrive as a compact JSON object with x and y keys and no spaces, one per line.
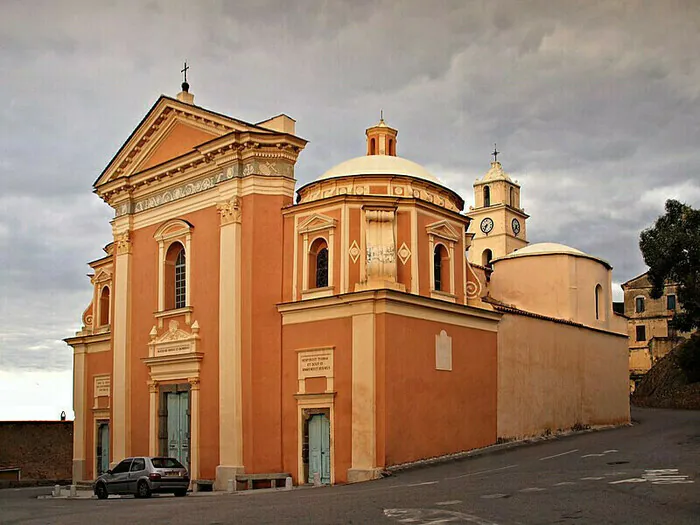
{"x":316,"y":222}
{"x":444,"y":230}
{"x":170,"y":129}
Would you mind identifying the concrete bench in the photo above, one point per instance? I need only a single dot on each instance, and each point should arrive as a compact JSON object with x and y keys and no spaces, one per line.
{"x":273,"y":478}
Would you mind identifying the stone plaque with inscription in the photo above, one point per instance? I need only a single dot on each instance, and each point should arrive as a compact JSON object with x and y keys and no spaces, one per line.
{"x":102,"y":386}
{"x":317,"y":363}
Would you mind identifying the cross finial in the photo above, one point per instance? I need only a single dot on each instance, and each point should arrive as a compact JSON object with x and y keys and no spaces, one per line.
{"x":381,"y":114}
{"x":495,"y":153}
{"x":184,"y":71}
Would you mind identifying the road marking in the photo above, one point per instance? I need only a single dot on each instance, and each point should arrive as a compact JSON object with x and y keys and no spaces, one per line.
{"x":482,"y":472}
{"x":592,"y":478}
{"x":563,"y":483}
{"x":451,"y":502}
{"x":421,"y":484}
{"x":559,"y":455}
{"x":432,"y":516}
{"x":532,"y":489}
{"x":611,"y":451}
{"x":667,"y":476}
{"x":494,"y":496}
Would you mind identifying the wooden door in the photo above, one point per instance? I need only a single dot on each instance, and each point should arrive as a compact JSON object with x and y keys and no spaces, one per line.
{"x":320,"y":448}
{"x":178,"y":424}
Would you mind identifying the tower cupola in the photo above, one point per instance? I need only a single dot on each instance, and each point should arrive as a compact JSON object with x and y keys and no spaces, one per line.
{"x":381,"y":139}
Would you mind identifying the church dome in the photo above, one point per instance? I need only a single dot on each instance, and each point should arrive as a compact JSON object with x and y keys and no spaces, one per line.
{"x":379,"y":165}
{"x":550,"y":248}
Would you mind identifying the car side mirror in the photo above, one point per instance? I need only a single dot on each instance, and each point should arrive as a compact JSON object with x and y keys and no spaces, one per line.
{"x":109,"y":471}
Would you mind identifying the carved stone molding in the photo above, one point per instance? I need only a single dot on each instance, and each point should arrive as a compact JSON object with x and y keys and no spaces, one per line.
{"x":229,"y":211}
{"x":194,"y":383}
{"x":122,"y":241}
{"x":153,"y":387}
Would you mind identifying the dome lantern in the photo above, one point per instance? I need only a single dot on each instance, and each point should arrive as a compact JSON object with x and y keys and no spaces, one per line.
{"x":381,"y":139}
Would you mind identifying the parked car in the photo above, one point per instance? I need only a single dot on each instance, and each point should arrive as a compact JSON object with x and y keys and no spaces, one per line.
{"x":143,"y":476}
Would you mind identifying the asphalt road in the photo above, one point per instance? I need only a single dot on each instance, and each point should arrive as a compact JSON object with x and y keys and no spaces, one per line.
{"x":643,"y":474}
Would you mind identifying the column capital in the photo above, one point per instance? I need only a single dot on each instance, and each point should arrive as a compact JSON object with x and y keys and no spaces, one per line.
{"x":194,"y":383}
{"x":122,"y":242}
{"x":229,"y":211}
{"x":153,"y":387}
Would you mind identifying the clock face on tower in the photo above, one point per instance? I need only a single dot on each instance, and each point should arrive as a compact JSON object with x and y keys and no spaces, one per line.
{"x":487,"y":225}
{"x":515,"y":223}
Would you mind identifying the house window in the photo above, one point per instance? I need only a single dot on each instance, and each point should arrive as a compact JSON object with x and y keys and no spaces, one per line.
{"x":104,"y":306}
{"x":639,"y":305}
{"x":174,"y":264}
{"x":322,"y":268}
{"x":175,"y":277}
{"x":441,"y":266}
{"x":487,"y":196}
{"x":318,"y":264}
{"x":641,"y":332}
{"x":372,"y":147}
{"x":598,"y":301}
{"x":670,"y":302}
{"x":180,"y":279}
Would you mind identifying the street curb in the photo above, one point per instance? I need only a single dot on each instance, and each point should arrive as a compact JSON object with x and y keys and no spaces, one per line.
{"x":499,"y":447}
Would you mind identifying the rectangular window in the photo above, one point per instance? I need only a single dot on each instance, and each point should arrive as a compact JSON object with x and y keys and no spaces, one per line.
{"x":670,"y":302}
{"x":639,"y":305}
{"x":641,"y":332}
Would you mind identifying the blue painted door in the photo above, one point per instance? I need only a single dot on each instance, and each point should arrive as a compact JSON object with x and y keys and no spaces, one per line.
{"x":320,"y":448}
{"x":179,"y":426}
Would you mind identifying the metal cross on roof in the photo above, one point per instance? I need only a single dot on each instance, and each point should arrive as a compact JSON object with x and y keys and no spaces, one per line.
{"x":495,"y":153}
{"x":184,"y":70}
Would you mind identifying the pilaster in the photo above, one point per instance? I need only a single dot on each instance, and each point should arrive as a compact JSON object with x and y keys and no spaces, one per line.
{"x":230,"y":343}
{"x":121,"y":389}
{"x":364,"y":432}
{"x":79,"y":399}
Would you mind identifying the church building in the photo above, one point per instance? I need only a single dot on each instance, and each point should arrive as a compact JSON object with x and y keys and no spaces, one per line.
{"x":246,"y":325}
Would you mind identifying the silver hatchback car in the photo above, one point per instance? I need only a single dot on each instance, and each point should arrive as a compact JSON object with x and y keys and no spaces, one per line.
{"x":143,"y":476}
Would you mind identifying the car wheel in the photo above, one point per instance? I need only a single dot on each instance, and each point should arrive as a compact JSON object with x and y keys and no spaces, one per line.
{"x":142,"y":490}
{"x":181,"y":492}
{"x":101,"y":491}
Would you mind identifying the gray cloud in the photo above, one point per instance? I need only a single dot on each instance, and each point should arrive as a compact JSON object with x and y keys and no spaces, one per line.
{"x":594,"y":106}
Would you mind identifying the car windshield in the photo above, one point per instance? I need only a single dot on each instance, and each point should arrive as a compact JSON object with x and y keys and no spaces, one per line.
{"x":166,"y":463}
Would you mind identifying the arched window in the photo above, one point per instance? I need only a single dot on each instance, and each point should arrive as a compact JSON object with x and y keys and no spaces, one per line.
{"x":486,"y":257}
{"x":512,"y":198}
{"x":441,"y":268}
{"x":390,"y":147}
{"x":599,"y":302}
{"x":175,"y":277}
{"x":639,"y":305}
{"x":318,"y":264}
{"x":372,"y":146}
{"x":487,"y":196}
{"x":104,"y":306}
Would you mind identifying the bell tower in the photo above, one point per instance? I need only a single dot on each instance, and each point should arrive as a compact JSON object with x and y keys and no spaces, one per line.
{"x":381,"y":139}
{"x":498,"y":221}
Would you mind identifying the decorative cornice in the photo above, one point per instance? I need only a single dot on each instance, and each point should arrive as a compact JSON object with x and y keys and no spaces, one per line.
{"x":229,"y":211}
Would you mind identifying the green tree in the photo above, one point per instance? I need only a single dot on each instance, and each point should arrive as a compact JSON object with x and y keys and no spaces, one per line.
{"x":671,"y":249}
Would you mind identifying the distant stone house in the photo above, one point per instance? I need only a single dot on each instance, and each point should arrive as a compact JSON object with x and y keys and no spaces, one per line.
{"x":650,"y":337}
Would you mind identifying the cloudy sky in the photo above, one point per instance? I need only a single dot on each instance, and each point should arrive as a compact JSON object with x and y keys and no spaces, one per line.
{"x":595,"y":107}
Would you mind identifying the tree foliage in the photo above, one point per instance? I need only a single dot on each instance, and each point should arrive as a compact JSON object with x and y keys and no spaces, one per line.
{"x":671,"y":249}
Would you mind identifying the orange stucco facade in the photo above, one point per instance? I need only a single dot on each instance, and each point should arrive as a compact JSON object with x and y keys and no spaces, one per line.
{"x":327,"y":337}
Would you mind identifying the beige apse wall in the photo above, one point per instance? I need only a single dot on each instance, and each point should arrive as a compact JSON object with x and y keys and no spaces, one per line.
{"x":555,"y":376}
